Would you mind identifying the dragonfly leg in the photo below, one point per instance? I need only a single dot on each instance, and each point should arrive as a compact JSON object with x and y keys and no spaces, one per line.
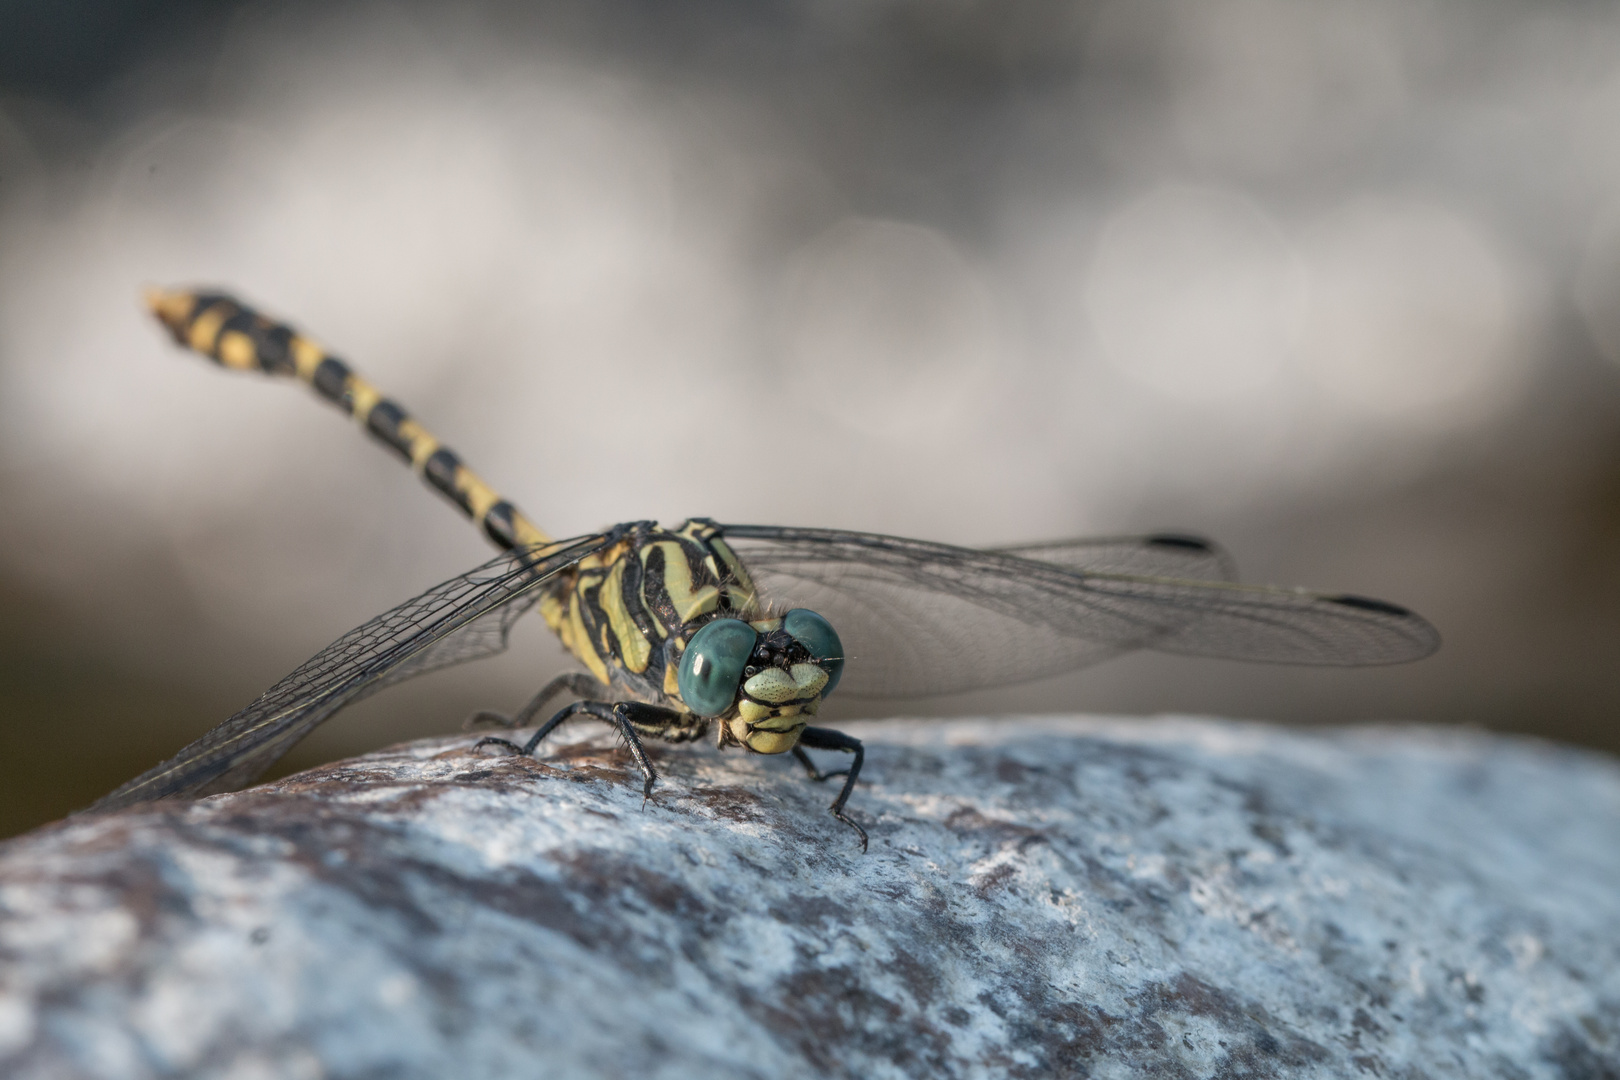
{"x":622,"y":716}
{"x":827,"y":739}
{"x":810,"y":766}
{"x":628,"y":715}
{"x":577,"y":683}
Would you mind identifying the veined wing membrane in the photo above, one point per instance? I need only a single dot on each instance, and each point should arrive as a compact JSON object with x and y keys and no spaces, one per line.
{"x":1171,"y":555}
{"x":918,"y":618}
{"x":432,"y":630}
{"x":1274,"y":624}
{"x":484,"y":636}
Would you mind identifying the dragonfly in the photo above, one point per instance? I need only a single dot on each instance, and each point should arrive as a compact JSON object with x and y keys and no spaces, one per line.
{"x":742,"y":631}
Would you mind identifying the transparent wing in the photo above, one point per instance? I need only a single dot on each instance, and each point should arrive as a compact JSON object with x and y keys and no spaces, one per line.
{"x":1171,"y":555}
{"x":484,"y":636}
{"x":919,"y":618}
{"x":465,"y":617}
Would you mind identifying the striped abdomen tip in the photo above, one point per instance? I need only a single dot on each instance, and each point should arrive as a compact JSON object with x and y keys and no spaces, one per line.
{"x":173,"y":308}
{"x":235,"y":336}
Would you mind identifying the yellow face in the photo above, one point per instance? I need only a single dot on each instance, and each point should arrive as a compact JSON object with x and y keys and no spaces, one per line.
{"x":775,"y":705}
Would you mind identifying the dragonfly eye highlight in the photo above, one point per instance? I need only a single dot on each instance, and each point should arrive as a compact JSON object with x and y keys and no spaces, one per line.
{"x":817,"y":635}
{"x":712,"y":665}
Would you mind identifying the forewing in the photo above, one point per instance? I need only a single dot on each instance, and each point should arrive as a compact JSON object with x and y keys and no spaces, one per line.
{"x":1272,"y":624}
{"x":484,"y":636}
{"x":465,"y":617}
{"x":1171,"y":555}
{"x":919,"y":618}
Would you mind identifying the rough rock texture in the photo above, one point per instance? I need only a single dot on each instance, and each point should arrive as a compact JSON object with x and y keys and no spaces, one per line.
{"x":1042,"y":898}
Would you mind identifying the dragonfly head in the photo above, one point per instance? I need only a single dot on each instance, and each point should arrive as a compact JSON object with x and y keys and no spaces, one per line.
{"x":764,"y":679}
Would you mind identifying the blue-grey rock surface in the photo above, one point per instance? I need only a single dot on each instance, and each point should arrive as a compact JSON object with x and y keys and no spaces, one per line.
{"x":1169,"y":898}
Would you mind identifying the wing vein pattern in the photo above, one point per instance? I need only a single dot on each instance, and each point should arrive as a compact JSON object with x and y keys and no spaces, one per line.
{"x":460,"y":619}
{"x":920,"y":618}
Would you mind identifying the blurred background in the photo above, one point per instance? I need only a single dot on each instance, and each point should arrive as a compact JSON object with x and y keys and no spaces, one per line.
{"x":1335,"y":282}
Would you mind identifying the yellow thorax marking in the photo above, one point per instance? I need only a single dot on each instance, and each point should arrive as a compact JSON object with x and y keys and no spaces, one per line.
{"x":743,"y":601}
{"x":580,"y":643}
{"x":597,"y":560}
{"x":733,"y":565}
{"x":689,"y":603}
{"x":634,"y":649}
{"x":739,"y":586}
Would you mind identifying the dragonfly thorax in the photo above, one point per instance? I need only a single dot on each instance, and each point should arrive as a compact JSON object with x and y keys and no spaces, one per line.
{"x":673,"y":616}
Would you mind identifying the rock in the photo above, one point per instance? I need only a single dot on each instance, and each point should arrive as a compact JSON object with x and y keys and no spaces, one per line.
{"x":1168,"y":898}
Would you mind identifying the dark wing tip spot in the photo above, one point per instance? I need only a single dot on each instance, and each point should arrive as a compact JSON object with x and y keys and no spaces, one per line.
{"x":1181,"y":541}
{"x":1367,"y":603}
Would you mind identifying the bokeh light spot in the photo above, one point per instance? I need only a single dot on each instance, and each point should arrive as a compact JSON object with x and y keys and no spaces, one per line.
{"x":1415,"y":314}
{"x":886,"y":325}
{"x":1195,"y":293}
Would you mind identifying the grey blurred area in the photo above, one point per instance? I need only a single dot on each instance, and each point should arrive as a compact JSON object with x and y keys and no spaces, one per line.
{"x":1335,"y":282}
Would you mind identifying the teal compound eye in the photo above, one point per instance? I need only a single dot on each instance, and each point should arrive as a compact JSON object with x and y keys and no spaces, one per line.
{"x":817,"y":635}
{"x":712,"y":665}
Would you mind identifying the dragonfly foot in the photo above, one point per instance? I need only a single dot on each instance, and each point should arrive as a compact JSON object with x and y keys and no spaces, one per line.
{"x":511,"y":747}
{"x":847,"y":820}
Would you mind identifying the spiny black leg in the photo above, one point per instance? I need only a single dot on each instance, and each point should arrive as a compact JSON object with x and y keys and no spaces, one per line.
{"x":618,"y":715}
{"x":545,"y":729}
{"x":578,"y":683}
{"x":630,"y":715}
{"x":563,"y":714}
{"x":827,"y":739}
{"x":810,"y":767}
{"x":621,"y":715}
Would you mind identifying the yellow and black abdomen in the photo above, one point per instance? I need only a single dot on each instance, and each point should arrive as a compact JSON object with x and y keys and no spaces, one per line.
{"x":238,"y":337}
